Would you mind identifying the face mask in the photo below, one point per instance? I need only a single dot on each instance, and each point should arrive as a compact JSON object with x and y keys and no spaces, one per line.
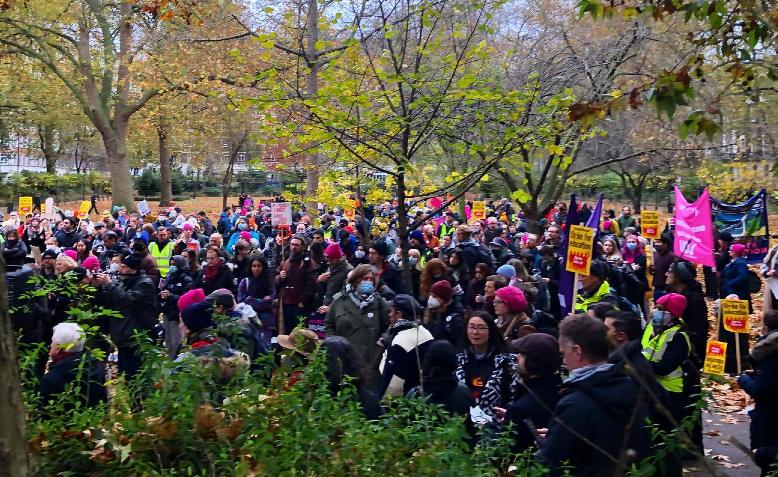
{"x":172,"y":269}
{"x":632,"y":245}
{"x":241,"y":226}
{"x":433,"y":302}
{"x":359,"y":254}
{"x":412,"y":261}
{"x":113,"y":268}
{"x":657,"y":317}
{"x":366,"y":287}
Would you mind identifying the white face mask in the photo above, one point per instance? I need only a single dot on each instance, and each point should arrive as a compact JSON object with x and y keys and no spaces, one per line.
{"x":359,"y":254}
{"x":433,"y":302}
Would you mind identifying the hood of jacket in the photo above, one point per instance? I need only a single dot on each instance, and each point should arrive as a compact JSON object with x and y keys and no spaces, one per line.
{"x":606,"y":385}
{"x":765,"y":346}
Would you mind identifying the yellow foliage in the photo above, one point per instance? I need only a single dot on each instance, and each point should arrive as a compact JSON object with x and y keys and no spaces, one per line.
{"x":735,"y":181}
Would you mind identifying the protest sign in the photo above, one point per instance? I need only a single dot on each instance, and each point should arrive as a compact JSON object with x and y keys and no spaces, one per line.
{"x":48,"y":211}
{"x":349,"y":214}
{"x":83,"y":209}
{"x":735,"y":315}
{"x":694,"y":229}
{"x":143,"y":208}
{"x":715,"y":356}
{"x":649,"y":224}
{"x":281,"y":213}
{"x":25,"y":205}
{"x":479,"y":210}
{"x":579,"y":249}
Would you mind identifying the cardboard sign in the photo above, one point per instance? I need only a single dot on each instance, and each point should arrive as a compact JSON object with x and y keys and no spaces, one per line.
{"x":479,"y":210}
{"x":48,"y":211}
{"x":280,"y":213}
{"x":83,"y":209}
{"x":25,"y":205}
{"x":715,"y":356}
{"x":579,"y":249}
{"x":649,"y":224}
{"x":143,"y":208}
{"x":735,"y":315}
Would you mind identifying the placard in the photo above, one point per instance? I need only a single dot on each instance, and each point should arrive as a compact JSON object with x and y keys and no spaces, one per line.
{"x":479,"y":210}
{"x":280,"y":213}
{"x":649,"y":224}
{"x":715,"y":356}
{"x":349,"y":214}
{"x":48,"y":211}
{"x":735,"y":315}
{"x":143,"y":208}
{"x":83,"y":209}
{"x":579,"y":249}
{"x":25,"y":205}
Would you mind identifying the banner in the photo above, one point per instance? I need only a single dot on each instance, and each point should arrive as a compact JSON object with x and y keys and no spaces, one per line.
{"x":715,"y":356}
{"x":747,"y":222}
{"x":693,"y":229}
{"x":280,"y":213}
{"x":735,"y":315}
{"x":649,"y":224}
{"x":579,"y":249}
{"x":25,"y":205}
{"x":479,"y":210}
{"x":566,"y":279}
{"x":83,"y":209}
{"x":594,"y":219}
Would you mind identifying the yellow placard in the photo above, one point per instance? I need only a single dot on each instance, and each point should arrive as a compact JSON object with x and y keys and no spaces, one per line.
{"x":478,"y":211}
{"x":735,"y":315}
{"x":25,"y":205}
{"x":83,"y":209}
{"x":715,"y":357}
{"x":649,"y":224}
{"x":579,"y":249}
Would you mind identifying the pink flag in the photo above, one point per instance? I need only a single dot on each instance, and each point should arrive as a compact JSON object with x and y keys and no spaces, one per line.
{"x":694,"y":229}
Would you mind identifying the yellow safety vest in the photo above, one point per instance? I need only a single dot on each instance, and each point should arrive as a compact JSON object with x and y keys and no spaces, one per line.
{"x":445,"y":229}
{"x":162,"y":256}
{"x":654,"y":348}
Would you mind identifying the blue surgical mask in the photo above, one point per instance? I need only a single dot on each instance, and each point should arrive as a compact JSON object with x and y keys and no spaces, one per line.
{"x":172,"y":269}
{"x":632,"y":245}
{"x":657,"y":317}
{"x":366,"y":287}
{"x":241,"y":226}
{"x":412,"y":261}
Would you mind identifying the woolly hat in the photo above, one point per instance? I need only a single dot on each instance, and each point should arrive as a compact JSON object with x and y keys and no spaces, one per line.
{"x":513,"y":298}
{"x":541,"y":352}
{"x":416,"y":234}
{"x":675,"y":303}
{"x":187,"y":226}
{"x":506,"y":271}
{"x":407,"y":305}
{"x":71,"y":253}
{"x":606,"y":225}
{"x":683,"y":271}
{"x":133,"y":261}
{"x":196,"y":295}
{"x":245,"y":235}
{"x":49,"y":253}
{"x":198,"y":316}
{"x":738,"y":249}
{"x":333,"y":251}
{"x":91,"y":263}
{"x":440,"y":360}
{"x":599,"y":269}
{"x":382,"y":248}
{"x":498,"y":242}
{"x":442,"y":289}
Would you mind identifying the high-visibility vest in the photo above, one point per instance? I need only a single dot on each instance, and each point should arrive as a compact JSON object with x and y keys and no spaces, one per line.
{"x":654,"y":348}
{"x":445,"y":229}
{"x":162,"y":256}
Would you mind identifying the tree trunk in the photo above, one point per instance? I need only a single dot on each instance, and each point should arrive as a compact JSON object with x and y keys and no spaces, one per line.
{"x":165,"y":183}
{"x":46,"y":137}
{"x":227,"y":182}
{"x":312,"y":90}
{"x":13,"y":438}
{"x":637,"y":202}
{"x":402,"y":228}
{"x":122,"y":190}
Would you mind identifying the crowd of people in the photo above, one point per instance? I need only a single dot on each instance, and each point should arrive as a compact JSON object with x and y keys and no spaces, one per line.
{"x":469,"y":318}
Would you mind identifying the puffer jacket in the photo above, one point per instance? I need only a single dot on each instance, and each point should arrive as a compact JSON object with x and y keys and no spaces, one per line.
{"x":14,"y":252}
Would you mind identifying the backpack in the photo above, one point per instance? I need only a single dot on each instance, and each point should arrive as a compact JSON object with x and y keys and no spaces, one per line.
{"x":754,"y":282}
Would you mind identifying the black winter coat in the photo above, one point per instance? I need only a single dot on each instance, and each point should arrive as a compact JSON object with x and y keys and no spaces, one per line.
{"x":696,"y":318}
{"x":762,"y":385}
{"x":597,"y":406}
{"x":538,"y":398}
{"x":223,"y":279}
{"x":136,"y":299}
{"x":177,"y":284}
{"x":14,"y":253}
{"x":91,"y":387}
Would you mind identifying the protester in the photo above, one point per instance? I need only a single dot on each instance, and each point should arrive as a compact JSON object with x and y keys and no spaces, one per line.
{"x":663,"y":257}
{"x":510,"y":306}
{"x":296,"y":281}
{"x":14,"y":250}
{"x":443,"y":316}
{"x":346,"y":367}
{"x":178,"y":282}
{"x":594,"y":288}
{"x":681,"y":278}
{"x":735,"y":282}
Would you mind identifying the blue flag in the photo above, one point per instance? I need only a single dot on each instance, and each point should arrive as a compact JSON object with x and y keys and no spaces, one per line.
{"x":566,"y":279}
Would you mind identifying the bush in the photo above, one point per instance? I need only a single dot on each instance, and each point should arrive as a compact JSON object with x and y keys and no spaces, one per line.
{"x":147,"y":183}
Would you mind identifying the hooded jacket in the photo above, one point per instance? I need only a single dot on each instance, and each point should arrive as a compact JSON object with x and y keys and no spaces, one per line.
{"x":762,"y":385}
{"x":136,"y":299}
{"x":597,"y":403}
{"x":177,"y":283}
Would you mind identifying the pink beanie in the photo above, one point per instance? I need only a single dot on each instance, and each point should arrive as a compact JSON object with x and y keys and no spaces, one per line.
{"x":71,"y":253}
{"x":606,"y":225}
{"x":333,"y":251}
{"x":191,"y":297}
{"x":674,"y":303}
{"x":91,"y":263}
{"x":187,"y":226}
{"x":738,"y":249}
{"x":513,"y":298}
{"x":245,"y":235}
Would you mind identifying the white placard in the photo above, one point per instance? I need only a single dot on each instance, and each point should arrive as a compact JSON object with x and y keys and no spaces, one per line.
{"x":143,"y":208}
{"x":280,"y":213}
